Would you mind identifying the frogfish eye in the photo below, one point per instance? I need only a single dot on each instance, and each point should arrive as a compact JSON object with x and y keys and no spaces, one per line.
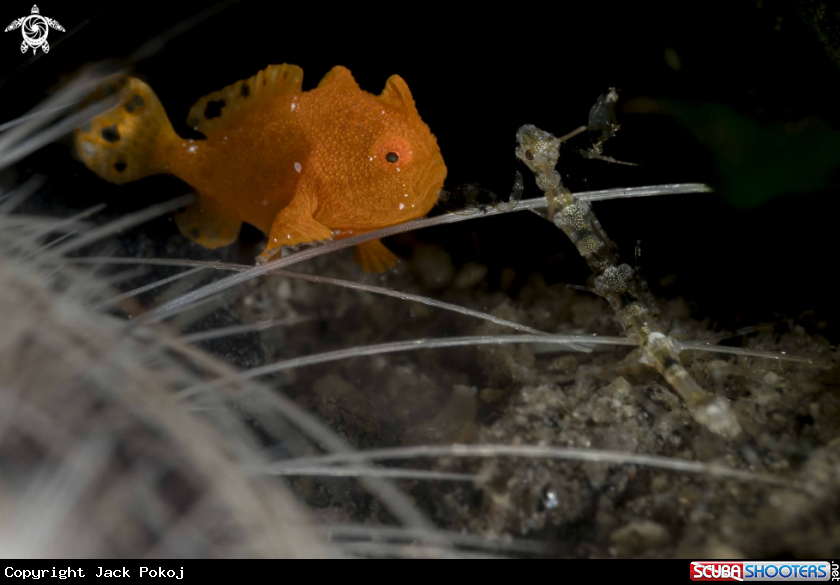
{"x":392,"y":157}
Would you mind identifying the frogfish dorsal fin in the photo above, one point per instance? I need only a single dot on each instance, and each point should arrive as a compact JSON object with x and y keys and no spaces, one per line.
{"x":217,"y":108}
{"x":338,"y":75}
{"x":397,"y":94}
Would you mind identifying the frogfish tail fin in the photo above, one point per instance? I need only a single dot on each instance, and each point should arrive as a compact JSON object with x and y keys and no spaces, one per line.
{"x":131,"y":140}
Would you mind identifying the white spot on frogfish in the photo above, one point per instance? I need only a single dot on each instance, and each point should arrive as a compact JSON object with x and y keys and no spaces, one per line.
{"x":402,"y":205}
{"x":298,"y":167}
{"x":192,"y":149}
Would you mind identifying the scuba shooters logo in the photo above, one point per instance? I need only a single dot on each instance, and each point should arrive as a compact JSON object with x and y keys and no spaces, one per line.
{"x":763,"y":571}
{"x":35,"y":29}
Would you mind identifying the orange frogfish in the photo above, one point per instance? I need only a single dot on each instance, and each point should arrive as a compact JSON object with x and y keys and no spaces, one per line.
{"x":297,"y":165}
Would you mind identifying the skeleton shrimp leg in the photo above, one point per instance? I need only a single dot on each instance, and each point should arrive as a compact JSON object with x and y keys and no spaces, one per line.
{"x":619,"y":283}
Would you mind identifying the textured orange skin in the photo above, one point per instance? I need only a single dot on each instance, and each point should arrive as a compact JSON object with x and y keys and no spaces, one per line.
{"x":325,"y":150}
{"x":297,"y":165}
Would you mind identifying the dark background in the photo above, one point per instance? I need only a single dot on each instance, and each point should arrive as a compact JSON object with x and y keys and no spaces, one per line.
{"x":751,"y":109}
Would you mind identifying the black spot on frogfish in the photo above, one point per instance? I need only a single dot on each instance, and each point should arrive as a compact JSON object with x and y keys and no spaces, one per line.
{"x":214,"y":109}
{"x":110,"y":133}
{"x":245,"y":90}
{"x":120,"y":166}
{"x":135,"y":102}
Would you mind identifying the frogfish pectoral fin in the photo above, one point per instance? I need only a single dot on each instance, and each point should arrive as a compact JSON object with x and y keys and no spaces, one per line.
{"x":209,"y":223}
{"x":294,"y":225}
{"x":373,"y":256}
